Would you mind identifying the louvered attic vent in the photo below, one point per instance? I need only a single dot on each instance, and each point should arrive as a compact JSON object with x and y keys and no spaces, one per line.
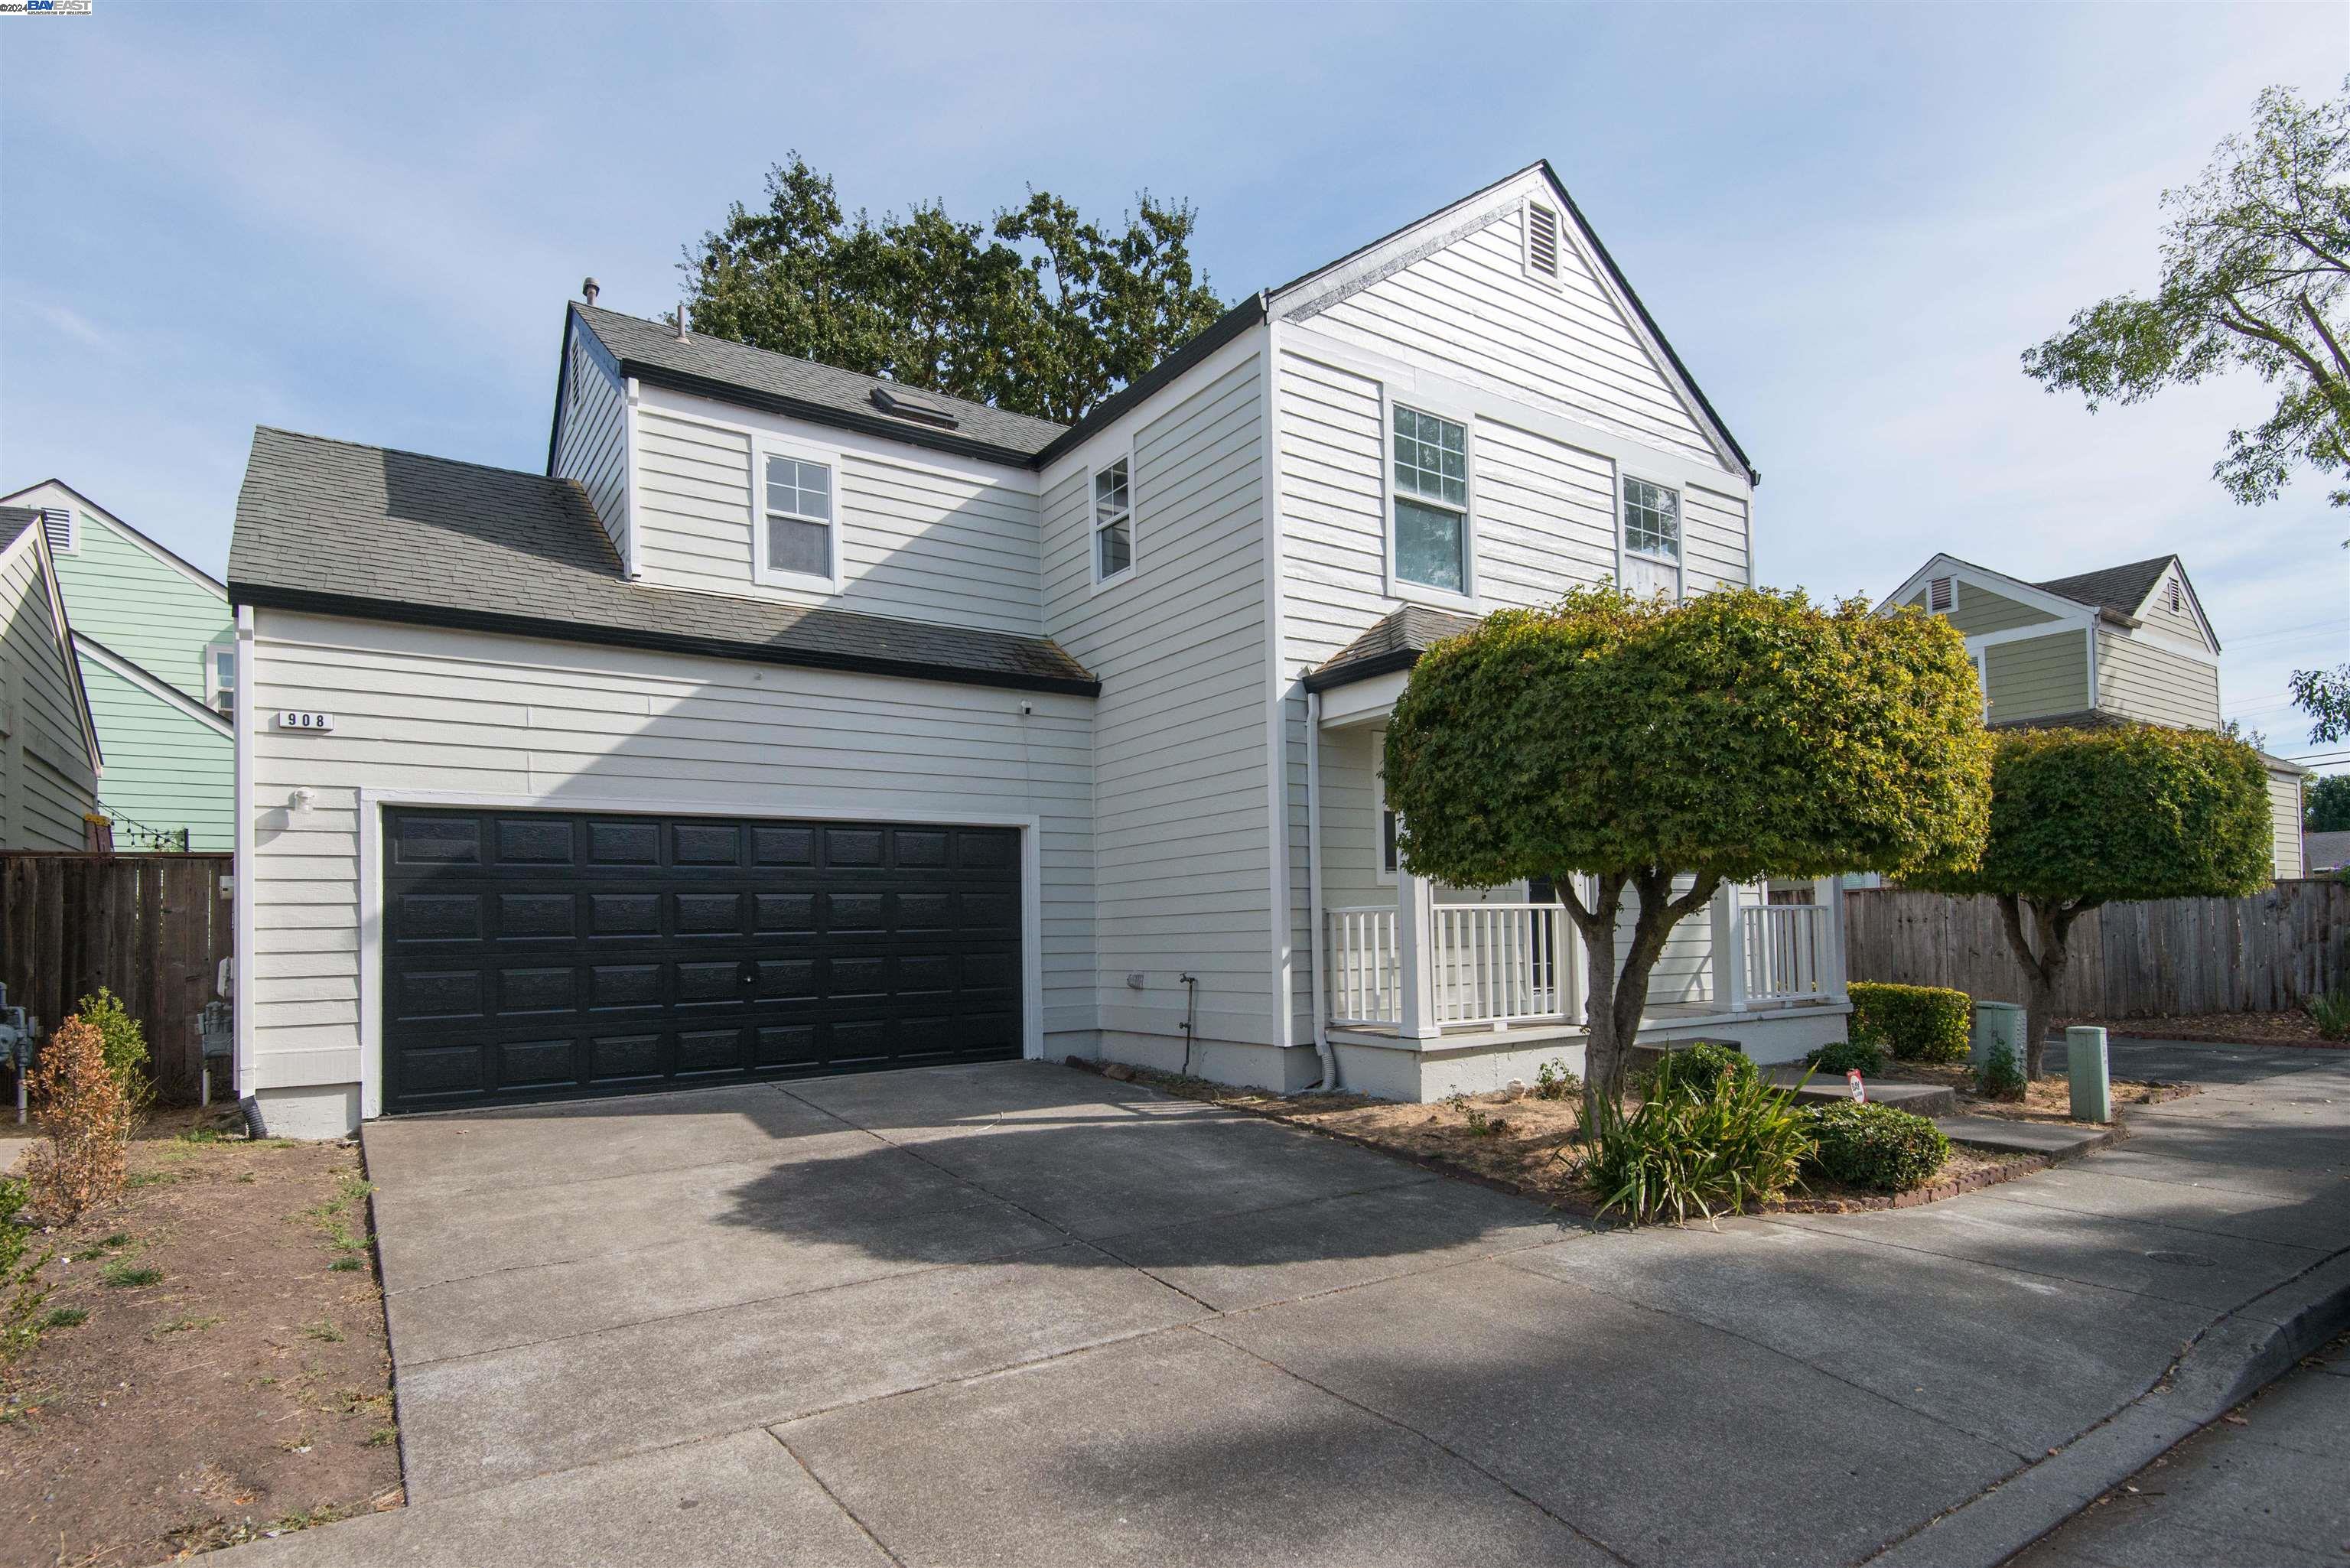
{"x":1940,"y":594}
{"x":58,"y":523}
{"x":898,"y":405}
{"x":1542,"y":241}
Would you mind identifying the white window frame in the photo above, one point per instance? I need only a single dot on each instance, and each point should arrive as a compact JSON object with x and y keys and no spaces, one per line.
{"x":1399,"y":586}
{"x":1385,"y":873}
{"x":763,"y":448}
{"x":1552,"y":279}
{"x":213,"y":687}
{"x":1625,"y":554}
{"x":1105,"y":461}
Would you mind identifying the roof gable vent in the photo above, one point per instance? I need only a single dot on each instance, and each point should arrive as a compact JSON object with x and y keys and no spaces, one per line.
{"x":58,"y":523}
{"x":1542,"y":241}
{"x":896,"y":404}
{"x":1941,"y":594}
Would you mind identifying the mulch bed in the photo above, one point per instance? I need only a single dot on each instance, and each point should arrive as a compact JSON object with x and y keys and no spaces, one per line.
{"x":243,"y":1390}
{"x":2221,"y":1029}
{"x":1519,"y":1144}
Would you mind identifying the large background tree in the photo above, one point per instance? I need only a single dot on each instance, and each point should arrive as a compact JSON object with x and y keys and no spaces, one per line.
{"x":2085,"y":817}
{"x":1040,"y":311}
{"x":2328,"y":807}
{"x":1746,"y":733}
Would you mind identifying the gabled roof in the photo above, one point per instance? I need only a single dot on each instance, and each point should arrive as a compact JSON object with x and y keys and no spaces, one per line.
{"x":734,"y":372}
{"x":2326,"y":851}
{"x":2125,"y":589}
{"x":2038,"y":596}
{"x":16,"y":523}
{"x":162,"y":552}
{"x":1395,"y":642}
{"x":404,"y":537}
{"x":14,"y":520}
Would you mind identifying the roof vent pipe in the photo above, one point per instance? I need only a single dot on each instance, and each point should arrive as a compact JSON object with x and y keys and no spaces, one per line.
{"x":589,"y":291}
{"x":681,"y":322}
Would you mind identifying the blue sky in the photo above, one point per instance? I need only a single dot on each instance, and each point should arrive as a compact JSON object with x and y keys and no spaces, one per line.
{"x":363,"y":222}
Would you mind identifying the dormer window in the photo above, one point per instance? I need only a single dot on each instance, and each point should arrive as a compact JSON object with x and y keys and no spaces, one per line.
{"x":797,"y":523}
{"x":1113,"y":521}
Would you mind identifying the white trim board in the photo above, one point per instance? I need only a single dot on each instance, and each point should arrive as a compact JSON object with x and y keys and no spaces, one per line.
{"x":162,"y":691}
{"x":370,"y":804}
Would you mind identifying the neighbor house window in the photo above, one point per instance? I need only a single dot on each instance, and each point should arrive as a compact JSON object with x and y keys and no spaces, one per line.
{"x":1113,"y":520}
{"x":220,"y":678}
{"x":1432,"y":500}
{"x":799,"y":520}
{"x":1652,"y":540}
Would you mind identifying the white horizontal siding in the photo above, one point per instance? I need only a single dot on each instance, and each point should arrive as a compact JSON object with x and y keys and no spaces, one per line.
{"x":920,"y":538}
{"x":592,"y":443}
{"x":417,"y":709}
{"x":1471,"y":312}
{"x":2284,"y":821}
{"x":46,"y":779}
{"x":2139,"y":679}
{"x":1182,"y":861}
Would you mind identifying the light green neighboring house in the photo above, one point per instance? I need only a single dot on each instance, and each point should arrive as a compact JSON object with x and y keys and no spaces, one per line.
{"x":49,"y":745}
{"x":156,"y":642}
{"x":2126,"y":643}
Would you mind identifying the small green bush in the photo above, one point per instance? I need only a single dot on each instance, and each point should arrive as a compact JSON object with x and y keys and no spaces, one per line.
{"x":1845,"y":1055}
{"x":2000,"y":1077}
{"x":1696,"y":1069}
{"x":1877,"y":1147}
{"x":1554,"y":1081}
{"x":21,"y":1290}
{"x":2331,"y":1012}
{"x":1739,"y":1143}
{"x":1916,"y":1022}
{"x":121,"y":1040}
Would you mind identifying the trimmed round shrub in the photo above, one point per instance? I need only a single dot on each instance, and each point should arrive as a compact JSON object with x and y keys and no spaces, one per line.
{"x":1916,"y":1022}
{"x":1845,"y":1055}
{"x":1877,"y":1147}
{"x":1694,"y":1070}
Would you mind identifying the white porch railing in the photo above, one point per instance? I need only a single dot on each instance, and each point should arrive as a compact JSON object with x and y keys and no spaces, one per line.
{"x":1488,"y":965}
{"x":1499,"y":963}
{"x":1786,"y":952}
{"x":1366,"y":976}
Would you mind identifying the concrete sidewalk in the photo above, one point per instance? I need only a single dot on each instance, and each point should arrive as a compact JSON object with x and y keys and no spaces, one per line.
{"x":1022,"y":1314}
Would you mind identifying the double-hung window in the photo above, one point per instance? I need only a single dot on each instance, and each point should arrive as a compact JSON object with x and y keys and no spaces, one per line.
{"x":220,"y":678}
{"x":1431,"y":470}
{"x":799,"y":543}
{"x":1652,"y":540}
{"x":1113,"y":520}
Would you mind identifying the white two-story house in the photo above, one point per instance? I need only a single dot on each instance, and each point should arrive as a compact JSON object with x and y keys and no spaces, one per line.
{"x":793,"y":723}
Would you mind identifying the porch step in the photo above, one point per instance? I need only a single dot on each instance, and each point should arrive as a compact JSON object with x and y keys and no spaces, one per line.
{"x":1930,"y":1100}
{"x":2023,"y":1138}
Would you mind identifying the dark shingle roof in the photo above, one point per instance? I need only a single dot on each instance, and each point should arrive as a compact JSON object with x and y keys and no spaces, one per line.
{"x":650,"y":350}
{"x":1395,"y":642}
{"x":15,"y":520}
{"x":2117,"y":588}
{"x":2327,"y":851}
{"x":344,"y":529}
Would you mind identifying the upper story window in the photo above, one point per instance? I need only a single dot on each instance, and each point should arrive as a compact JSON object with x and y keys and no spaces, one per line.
{"x":220,"y":678}
{"x":1114,"y":520}
{"x":1652,"y":540}
{"x":1432,"y":500}
{"x":800,"y":547}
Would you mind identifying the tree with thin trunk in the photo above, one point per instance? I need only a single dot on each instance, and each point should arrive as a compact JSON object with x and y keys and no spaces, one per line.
{"x":1658,"y":751}
{"x":2081,"y":818}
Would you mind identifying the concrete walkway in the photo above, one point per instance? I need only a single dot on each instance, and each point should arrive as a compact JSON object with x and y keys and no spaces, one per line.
{"x":1022,"y":1314}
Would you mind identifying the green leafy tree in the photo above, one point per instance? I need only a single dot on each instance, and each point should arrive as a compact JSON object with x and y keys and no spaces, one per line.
{"x":2324,"y":696}
{"x":2327,"y":807}
{"x":2255,"y":263}
{"x":1639,"y":746}
{"x":1041,"y":312}
{"x":2085,"y":817}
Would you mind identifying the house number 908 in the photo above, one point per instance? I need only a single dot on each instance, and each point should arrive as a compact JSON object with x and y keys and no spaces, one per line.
{"x":297,"y":719}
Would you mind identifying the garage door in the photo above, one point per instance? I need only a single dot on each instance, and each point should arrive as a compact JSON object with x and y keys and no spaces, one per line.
{"x":543,"y":955}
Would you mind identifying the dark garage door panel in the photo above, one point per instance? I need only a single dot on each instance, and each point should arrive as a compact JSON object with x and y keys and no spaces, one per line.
{"x":542,"y":955}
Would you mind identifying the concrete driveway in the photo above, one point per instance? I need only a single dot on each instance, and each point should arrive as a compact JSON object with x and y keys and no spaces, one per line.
{"x":1023,"y":1315}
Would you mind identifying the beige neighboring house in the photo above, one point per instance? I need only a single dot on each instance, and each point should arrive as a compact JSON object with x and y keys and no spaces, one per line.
{"x":2126,"y":643}
{"x":48,"y":744}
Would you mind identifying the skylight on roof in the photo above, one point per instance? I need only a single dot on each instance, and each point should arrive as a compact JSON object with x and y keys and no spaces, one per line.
{"x":899,"y":404}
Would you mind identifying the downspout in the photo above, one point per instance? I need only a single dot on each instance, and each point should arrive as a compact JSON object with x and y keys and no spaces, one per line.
{"x":1314,"y":891}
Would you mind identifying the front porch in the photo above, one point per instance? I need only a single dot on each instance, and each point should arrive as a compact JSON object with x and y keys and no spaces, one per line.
{"x":1424,"y":990}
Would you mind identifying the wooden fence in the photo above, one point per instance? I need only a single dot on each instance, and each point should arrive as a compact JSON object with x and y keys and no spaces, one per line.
{"x":2267,"y":953}
{"x":152,"y":929}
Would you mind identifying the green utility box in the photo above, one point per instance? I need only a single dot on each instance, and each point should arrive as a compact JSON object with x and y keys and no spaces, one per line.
{"x":1997,"y":1023}
{"x":2093,"y":1086}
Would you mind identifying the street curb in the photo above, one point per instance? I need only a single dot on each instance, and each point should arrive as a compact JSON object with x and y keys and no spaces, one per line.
{"x":2227,"y":1364}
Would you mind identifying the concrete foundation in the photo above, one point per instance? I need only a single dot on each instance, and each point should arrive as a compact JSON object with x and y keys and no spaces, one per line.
{"x":314,"y":1112}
